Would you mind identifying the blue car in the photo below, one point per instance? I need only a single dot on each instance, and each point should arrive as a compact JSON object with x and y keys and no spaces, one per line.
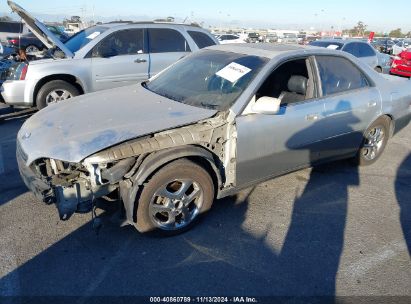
{"x":360,"y":49}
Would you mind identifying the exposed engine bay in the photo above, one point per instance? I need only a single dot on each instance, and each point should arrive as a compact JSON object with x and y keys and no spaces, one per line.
{"x":73,"y":187}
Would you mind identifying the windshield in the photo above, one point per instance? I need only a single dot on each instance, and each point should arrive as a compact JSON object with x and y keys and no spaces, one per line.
{"x":328,"y":44}
{"x":84,"y":37}
{"x":208,"y":79}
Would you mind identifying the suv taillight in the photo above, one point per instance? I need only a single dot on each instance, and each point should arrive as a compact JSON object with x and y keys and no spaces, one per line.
{"x":14,"y":41}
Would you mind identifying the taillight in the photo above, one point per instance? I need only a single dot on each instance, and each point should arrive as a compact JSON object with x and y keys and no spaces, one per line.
{"x":14,"y":41}
{"x":24,"y":72}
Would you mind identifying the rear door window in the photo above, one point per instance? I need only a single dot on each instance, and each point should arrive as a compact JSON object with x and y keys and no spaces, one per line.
{"x":167,"y":41}
{"x":201,"y":39}
{"x":339,"y":75}
{"x":365,"y":50}
{"x":353,"y":49}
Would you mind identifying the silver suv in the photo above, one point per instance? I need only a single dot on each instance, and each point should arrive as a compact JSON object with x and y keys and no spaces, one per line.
{"x":101,"y":57}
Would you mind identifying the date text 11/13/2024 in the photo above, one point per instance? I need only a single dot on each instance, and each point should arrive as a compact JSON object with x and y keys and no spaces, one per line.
{"x":203,"y":300}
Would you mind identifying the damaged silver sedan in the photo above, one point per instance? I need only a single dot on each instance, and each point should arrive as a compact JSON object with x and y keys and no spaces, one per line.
{"x":223,"y":119}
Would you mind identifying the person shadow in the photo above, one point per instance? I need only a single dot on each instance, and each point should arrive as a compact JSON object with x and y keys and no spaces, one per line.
{"x":311,"y":253}
{"x":402,"y":190}
{"x":11,"y":185}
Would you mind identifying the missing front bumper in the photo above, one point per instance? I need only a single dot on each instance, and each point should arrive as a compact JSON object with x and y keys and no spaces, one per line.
{"x":77,"y":198}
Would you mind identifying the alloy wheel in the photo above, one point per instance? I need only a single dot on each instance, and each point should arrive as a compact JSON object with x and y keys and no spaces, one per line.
{"x":32,"y":49}
{"x":58,"y":95}
{"x":176,"y":204}
{"x":374,"y":142}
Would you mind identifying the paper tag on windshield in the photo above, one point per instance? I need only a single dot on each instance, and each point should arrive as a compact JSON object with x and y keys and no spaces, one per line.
{"x":93,"y":35}
{"x":233,"y":72}
{"x":332,"y":47}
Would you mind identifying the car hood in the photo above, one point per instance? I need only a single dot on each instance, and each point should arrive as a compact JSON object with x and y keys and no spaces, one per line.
{"x":39,"y":29}
{"x":77,"y":128}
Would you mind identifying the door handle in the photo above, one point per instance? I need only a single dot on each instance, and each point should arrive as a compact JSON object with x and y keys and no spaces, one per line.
{"x":312,"y":117}
{"x":372,"y":104}
{"x":139,"y":60}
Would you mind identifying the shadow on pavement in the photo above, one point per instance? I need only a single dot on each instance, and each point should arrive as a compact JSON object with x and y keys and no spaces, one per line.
{"x":217,"y":257}
{"x":11,"y":184}
{"x":221,"y":256}
{"x":402,"y":190}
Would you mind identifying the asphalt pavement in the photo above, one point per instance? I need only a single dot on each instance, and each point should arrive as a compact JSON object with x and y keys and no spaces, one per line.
{"x":336,"y":230}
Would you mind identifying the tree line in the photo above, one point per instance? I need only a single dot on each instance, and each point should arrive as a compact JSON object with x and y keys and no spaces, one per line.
{"x":361,"y":30}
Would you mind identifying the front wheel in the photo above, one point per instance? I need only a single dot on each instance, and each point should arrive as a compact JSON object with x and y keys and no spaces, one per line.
{"x":374,"y":142}
{"x":54,"y":92}
{"x":174,"y":198}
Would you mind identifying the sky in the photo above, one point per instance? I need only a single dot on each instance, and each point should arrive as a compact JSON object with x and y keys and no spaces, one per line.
{"x":317,"y":14}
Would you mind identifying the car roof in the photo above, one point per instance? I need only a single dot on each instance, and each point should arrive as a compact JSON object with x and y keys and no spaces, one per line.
{"x":168,"y":24}
{"x":267,"y":50}
{"x":341,"y":41}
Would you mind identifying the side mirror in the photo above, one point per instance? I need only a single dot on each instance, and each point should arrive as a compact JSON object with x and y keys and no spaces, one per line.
{"x":266,"y":105}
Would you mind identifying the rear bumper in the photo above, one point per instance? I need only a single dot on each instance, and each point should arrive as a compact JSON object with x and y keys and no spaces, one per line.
{"x":13,"y":92}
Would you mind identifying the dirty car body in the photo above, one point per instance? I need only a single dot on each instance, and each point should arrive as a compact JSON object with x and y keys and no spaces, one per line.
{"x":244,"y":113}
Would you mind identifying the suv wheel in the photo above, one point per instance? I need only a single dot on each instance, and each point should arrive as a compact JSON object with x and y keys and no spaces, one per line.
{"x":55,"y":91}
{"x":174,"y":198}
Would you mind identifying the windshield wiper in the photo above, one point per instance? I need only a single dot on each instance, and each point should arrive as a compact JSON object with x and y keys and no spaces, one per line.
{"x":210,"y":105}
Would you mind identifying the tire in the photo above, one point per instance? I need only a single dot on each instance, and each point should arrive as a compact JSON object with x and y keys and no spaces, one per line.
{"x":160,"y":201}
{"x":55,"y":91}
{"x":374,"y":142}
{"x":378,"y":69}
{"x":31,"y":49}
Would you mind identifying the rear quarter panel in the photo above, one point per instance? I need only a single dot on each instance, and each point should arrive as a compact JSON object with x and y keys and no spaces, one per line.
{"x":396,"y":99}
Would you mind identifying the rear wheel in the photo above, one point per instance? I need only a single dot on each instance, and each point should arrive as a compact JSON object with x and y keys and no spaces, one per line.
{"x":174,"y":198}
{"x":55,"y":91}
{"x":378,"y":69}
{"x":374,"y":142}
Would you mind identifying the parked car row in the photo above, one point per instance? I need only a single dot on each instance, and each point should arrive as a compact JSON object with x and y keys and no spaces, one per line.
{"x":391,"y":46}
{"x":360,"y":49}
{"x":401,"y":46}
{"x":230,"y":38}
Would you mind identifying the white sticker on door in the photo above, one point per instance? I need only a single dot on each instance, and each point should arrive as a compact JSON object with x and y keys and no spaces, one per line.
{"x":233,"y":72}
